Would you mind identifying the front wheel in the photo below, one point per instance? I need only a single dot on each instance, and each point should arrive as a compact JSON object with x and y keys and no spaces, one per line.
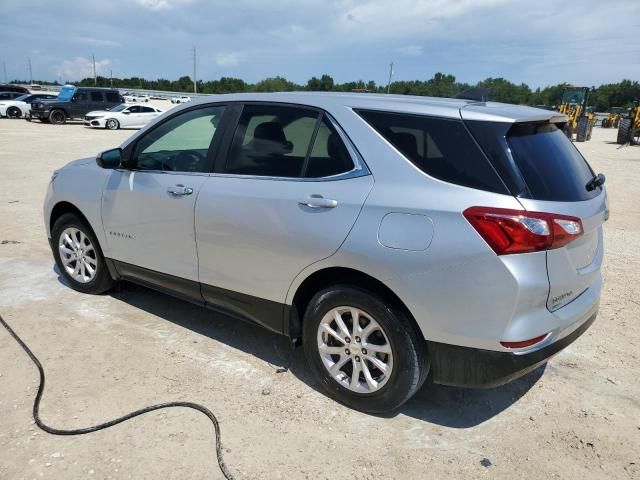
{"x":365,"y":353}
{"x":112,"y":124}
{"x":14,"y":112}
{"x":78,"y":256}
{"x":57,"y":117}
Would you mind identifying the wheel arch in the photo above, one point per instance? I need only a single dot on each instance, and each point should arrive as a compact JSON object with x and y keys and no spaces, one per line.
{"x":329,"y":276}
{"x":63,"y":207}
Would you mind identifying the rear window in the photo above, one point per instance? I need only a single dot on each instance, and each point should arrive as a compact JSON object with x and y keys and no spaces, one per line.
{"x":441,"y":148}
{"x":550,"y":165}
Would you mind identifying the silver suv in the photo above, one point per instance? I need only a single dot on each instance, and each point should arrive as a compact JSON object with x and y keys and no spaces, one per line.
{"x":395,"y":236}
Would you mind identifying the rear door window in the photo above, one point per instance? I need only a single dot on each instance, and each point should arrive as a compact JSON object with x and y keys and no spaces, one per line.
{"x":271,"y":140}
{"x":550,"y":165}
{"x":441,"y":148}
{"x":97,"y":97}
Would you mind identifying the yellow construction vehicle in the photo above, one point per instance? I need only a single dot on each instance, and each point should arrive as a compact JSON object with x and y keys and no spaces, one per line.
{"x":629,"y":127}
{"x":613,"y":118}
{"x":580,"y":119}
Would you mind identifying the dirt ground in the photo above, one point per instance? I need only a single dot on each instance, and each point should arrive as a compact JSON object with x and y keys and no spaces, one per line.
{"x":107,"y":355}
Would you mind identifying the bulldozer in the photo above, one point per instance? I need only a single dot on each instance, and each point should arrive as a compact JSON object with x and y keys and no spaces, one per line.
{"x":613,"y":119}
{"x":629,"y":127}
{"x":580,"y":119}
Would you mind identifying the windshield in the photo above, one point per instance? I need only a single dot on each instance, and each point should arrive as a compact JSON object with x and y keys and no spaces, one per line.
{"x":22,"y":98}
{"x":66,"y":93}
{"x":118,"y":108}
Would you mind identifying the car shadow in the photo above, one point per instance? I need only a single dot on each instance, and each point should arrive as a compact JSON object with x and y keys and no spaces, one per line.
{"x":446,"y":406}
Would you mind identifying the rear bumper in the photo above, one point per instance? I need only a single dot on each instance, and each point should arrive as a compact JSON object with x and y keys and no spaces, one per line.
{"x":477,"y":368}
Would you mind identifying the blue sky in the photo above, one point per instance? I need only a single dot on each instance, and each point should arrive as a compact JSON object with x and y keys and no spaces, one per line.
{"x":540,"y":42}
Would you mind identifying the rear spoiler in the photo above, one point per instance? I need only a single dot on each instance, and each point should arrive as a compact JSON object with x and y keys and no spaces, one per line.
{"x":478,"y":94}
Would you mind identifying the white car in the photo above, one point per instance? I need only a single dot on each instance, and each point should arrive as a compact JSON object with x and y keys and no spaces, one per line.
{"x":181,"y":99}
{"x":135,"y":98}
{"x":122,"y":116}
{"x":20,"y":106}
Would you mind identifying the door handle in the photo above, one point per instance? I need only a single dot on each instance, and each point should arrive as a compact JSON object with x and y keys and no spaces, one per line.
{"x":179,"y":190}
{"x":318,"y":201}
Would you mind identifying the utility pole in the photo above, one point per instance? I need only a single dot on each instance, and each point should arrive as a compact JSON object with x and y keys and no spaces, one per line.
{"x":111,"y":77}
{"x":95,"y":78}
{"x":4,"y":68}
{"x":30,"y":72}
{"x":390,"y":75}
{"x":195,"y":87}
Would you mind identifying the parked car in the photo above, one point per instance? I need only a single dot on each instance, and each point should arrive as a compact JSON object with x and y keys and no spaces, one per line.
{"x":6,"y":87}
{"x":21,"y":105}
{"x":122,"y":116}
{"x":10,"y":95}
{"x":474,"y":256}
{"x":74,"y":103}
{"x":136,"y":98}
{"x":181,"y":99}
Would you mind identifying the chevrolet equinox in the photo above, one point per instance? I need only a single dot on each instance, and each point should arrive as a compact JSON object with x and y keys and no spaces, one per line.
{"x":395,"y":236}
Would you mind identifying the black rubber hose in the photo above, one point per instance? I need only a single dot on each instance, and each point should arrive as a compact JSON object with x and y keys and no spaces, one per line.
{"x":81,"y":431}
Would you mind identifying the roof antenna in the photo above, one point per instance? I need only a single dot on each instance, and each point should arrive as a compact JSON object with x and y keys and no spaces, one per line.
{"x":478,"y":94}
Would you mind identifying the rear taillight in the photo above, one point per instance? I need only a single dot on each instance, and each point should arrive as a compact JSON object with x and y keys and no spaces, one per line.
{"x":518,"y":231}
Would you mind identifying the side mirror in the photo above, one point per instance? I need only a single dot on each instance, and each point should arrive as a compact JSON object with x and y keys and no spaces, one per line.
{"x":110,"y":159}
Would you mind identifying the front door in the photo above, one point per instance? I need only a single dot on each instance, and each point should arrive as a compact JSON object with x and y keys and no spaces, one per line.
{"x":278,"y":202}
{"x":148,"y":209}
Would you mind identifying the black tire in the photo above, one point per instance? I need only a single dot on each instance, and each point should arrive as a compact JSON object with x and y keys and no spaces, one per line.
{"x":14,"y":112}
{"x":605,"y":123}
{"x":102,"y":280}
{"x":410,"y":358}
{"x":112,"y":124}
{"x":624,"y":131}
{"x":583,"y":129}
{"x":57,"y":117}
{"x":568,"y":130}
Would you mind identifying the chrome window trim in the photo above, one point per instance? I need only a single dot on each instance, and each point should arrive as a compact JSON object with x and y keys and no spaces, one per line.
{"x":359,"y":169}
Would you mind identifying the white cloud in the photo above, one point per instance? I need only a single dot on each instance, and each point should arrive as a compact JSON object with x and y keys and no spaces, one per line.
{"x":98,"y":42}
{"x":409,"y":50}
{"x":163,"y":4}
{"x":228,"y":59}
{"x":81,"y":67}
{"x":402,"y":18}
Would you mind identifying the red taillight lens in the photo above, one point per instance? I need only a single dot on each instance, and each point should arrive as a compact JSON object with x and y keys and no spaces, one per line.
{"x":524,"y":343}
{"x":518,"y":231}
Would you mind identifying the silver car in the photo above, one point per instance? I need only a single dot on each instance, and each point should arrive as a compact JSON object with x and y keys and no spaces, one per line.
{"x":395,"y":236}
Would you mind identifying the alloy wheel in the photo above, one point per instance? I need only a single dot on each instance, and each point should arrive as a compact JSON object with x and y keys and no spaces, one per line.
{"x":78,"y":255}
{"x":355,"y":349}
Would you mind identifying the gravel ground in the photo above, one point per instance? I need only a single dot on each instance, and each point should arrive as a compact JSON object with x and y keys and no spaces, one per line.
{"x":578,"y":417}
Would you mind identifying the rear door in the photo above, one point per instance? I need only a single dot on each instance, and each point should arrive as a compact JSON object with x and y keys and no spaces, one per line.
{"x":146,"y":115}
{"x":556,"y":176}
{"x":278,"y":202}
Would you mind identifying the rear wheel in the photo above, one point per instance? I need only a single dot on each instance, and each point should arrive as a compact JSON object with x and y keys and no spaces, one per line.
{"x":57,"y":117}
{"x":624,"y":131}
{"x":568,"y":130}
{"x":365,"y":353}
{"x":14,"y":112}
{"x":583,"y":129}
{"x":112,"y":124}
{"x":78,"y":256}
